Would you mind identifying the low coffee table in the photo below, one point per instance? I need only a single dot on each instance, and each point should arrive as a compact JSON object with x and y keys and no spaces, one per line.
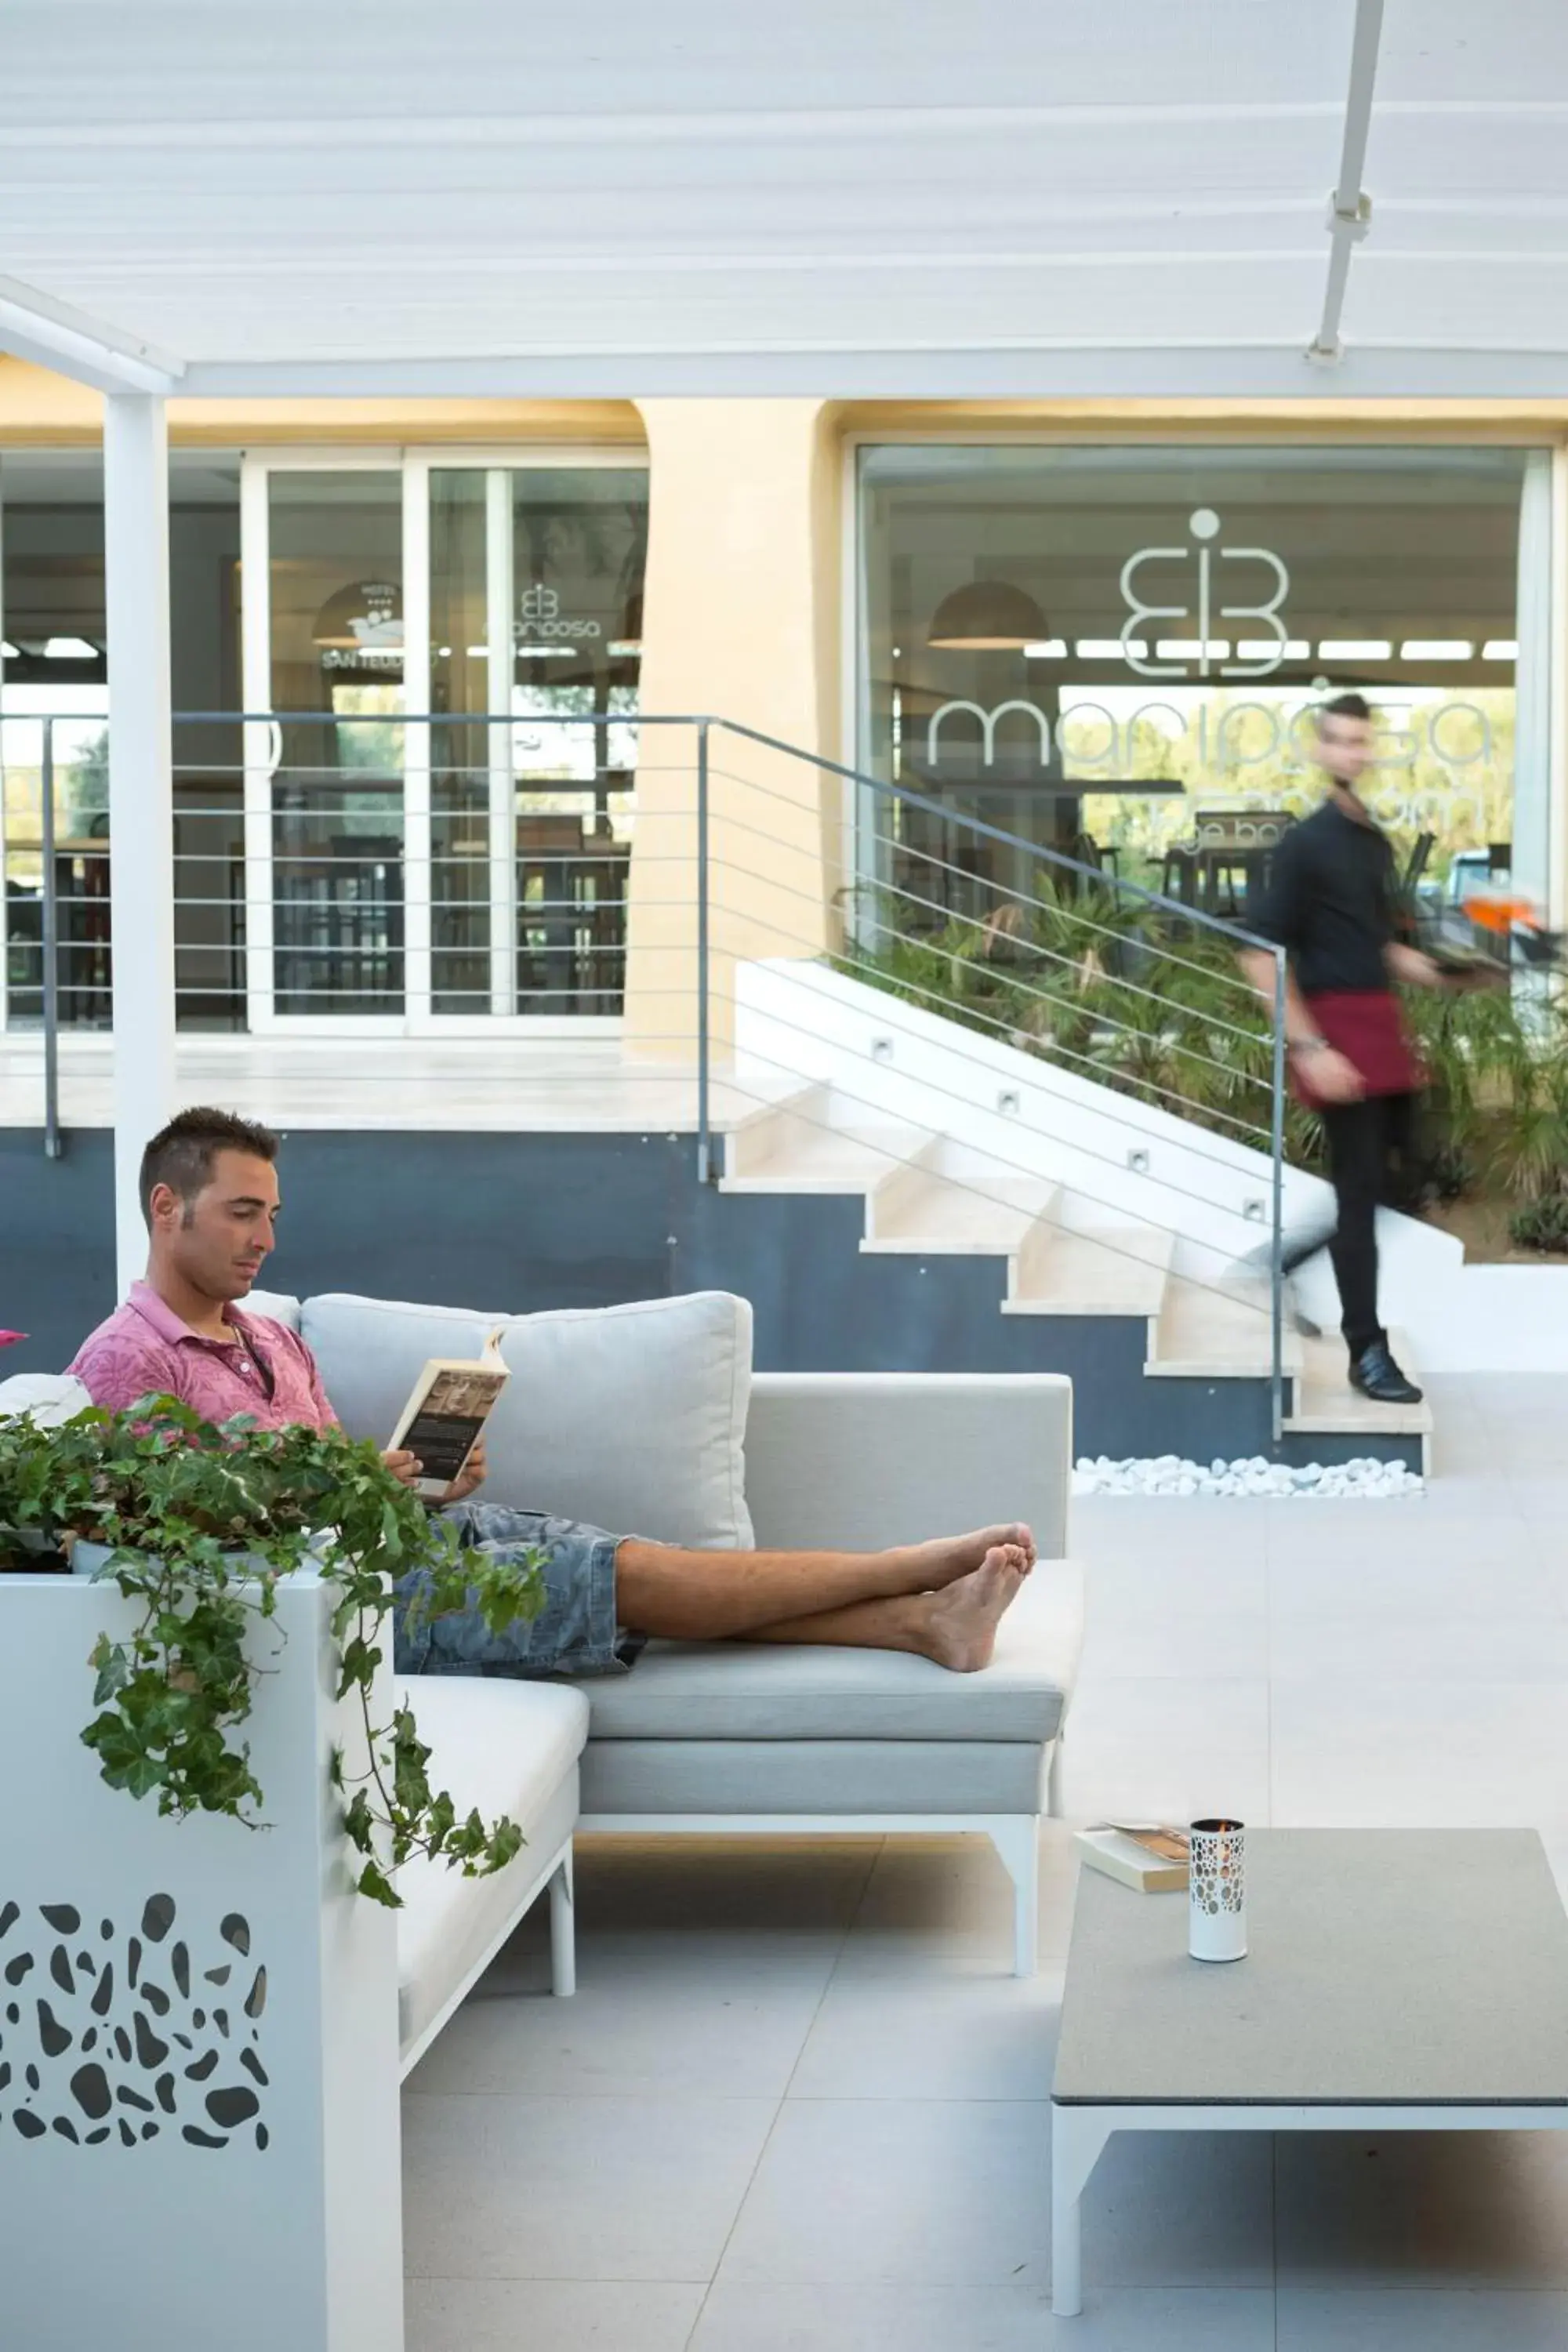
{"x":1397,"y":1980}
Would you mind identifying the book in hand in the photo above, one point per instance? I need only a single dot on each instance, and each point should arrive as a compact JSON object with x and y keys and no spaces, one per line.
{"x":445,"y":1413}
{"x":1143,"y":1854}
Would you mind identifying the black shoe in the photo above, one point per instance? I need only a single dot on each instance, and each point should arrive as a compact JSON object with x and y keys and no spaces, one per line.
{"x":1377,"y":1376}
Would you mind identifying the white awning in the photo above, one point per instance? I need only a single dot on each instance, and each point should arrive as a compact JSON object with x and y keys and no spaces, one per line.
{"x":843,"y":197}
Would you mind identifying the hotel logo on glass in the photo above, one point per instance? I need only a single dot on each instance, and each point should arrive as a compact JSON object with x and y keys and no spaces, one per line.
{"x":1200,"y":579}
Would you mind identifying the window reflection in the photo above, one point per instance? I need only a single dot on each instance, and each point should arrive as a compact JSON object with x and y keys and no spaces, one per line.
{"x":536,"y":583}
{"x":336,"y":584}
{"x":1102,"y":652}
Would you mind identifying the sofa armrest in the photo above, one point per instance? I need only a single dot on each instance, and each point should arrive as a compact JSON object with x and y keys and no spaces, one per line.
{"x":852,"y":1461}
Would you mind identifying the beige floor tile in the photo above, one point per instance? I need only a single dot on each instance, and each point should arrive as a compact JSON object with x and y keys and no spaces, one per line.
{"x":1397,"y":2320}
{"x":937,"y":2192}
{"x":970,"y":2037}
{"x":506,"y":2187}
{"x":550,"y":2316}
{"x":1417,"y":2209}
{"x":749,"y":2318}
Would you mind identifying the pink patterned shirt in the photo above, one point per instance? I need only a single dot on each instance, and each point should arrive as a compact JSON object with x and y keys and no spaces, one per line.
{"x":144,"y":1350}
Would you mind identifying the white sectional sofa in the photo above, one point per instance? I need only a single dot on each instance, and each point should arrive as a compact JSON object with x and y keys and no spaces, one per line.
{"x":646,"y":1419}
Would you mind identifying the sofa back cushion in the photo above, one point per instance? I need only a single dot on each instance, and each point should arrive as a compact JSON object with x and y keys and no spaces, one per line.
{"x":632,"y":1418}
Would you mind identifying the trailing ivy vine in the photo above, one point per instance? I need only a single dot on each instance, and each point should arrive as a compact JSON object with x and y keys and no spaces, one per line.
{"x":199,"y":1523}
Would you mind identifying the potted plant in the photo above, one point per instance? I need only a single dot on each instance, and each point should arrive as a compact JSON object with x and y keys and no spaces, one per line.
{"x":196,"y":1526}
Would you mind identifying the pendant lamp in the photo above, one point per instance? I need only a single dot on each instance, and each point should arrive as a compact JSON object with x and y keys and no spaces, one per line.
{"x":987,"y":616}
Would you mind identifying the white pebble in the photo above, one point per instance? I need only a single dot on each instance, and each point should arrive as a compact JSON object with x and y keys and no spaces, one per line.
{"x":1363,"y":1478}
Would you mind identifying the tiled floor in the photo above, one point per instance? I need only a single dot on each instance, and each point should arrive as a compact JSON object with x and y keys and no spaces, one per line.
{"x":797,"y":2105}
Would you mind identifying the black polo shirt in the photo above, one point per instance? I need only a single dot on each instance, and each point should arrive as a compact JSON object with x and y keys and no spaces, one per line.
{"x":1331,"y":901}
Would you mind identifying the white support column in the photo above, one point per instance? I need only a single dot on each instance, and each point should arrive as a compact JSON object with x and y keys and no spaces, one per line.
{"x":140,"y":794}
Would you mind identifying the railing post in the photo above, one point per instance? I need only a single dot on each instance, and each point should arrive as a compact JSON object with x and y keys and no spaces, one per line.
{"x":704,"y":1130}
{"x":53,"y":1146}
{"x":1277,"y":1250}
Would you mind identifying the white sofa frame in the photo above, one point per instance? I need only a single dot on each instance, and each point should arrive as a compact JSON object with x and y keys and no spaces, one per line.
{"x":1015,"y":1836}
{"x":557,"y":1875}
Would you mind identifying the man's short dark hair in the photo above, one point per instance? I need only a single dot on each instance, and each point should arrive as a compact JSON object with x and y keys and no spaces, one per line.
{"x":1345,"y":706}
{"x":181,"y":1155}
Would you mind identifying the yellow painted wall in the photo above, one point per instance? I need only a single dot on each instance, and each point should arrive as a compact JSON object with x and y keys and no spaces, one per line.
{"x":38,"y":409}
{"x":741,"y":622}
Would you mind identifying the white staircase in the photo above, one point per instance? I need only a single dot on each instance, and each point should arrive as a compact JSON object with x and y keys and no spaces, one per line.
{"x":928,"y":1196}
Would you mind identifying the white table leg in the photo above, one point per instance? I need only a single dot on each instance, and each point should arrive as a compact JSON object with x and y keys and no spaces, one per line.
{"x":1078,"y":2136}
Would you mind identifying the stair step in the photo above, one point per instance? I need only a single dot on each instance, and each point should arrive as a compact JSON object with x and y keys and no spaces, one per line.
{"x":1117,"y":1270}
{"x":1207,"y":1332}
{"x":1328,"y":1405}
{"x":804,"y":1157}
{"x":986,"y":1214}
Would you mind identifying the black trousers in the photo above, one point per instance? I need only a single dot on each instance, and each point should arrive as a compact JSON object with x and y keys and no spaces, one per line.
{"x":1371,"y":1149}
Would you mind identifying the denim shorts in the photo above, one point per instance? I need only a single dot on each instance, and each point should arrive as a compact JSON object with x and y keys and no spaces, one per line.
{"x":574,"y":1634}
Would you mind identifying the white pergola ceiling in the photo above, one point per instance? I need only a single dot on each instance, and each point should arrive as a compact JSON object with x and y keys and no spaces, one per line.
{"x":841,"y":197}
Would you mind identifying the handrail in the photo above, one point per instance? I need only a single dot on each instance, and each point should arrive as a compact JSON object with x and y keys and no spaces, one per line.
{"x":1075,"y":874}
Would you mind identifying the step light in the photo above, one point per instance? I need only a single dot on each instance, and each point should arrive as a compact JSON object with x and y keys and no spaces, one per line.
{"x":1500,"y":650}
{"x":1436,"y":649}
{"x":1138,"y":1160}
{"x":1355,"y":649}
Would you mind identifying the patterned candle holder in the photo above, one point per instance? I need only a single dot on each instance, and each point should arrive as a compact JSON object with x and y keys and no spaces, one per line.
{"x":1216,"y":1891}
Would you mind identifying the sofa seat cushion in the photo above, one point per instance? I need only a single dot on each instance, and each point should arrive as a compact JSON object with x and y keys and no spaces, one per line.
{"x":757,"y":1691}
{"x":506,"y":1747}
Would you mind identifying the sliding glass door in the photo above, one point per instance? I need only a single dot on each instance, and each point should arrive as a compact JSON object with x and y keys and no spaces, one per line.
{"x":473,"y":869}
{"x":535,"y":622}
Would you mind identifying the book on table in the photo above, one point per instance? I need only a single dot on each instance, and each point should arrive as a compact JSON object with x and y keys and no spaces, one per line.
{"x":446,"y":1411}
{"x":1147,"y":1855}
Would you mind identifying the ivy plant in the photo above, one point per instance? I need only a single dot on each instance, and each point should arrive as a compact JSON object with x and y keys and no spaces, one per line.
{"x":199,"y":1523}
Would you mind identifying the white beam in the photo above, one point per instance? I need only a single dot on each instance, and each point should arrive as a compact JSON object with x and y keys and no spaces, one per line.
{"x":1350,"y":208}
{"x":140,"y":795}
{"x":1032,"y":368}
{"x":33,"y":326}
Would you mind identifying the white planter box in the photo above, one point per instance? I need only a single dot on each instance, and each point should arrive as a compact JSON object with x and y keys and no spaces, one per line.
{"x":199,"y":2144}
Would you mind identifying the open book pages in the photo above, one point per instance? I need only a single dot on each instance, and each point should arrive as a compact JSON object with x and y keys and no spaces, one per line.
{"x":446,"y":1410}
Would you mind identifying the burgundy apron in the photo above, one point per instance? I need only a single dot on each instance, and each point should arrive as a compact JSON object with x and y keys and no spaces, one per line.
{"x":1365,"y":1026}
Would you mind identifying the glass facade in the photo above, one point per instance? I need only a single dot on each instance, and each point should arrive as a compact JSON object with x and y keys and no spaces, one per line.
{"x":336,"y":658}
{"x":1111,"y":654}
{"x":334,"y":862}
{"x":54,"y":666}
{"x":536,"y":578}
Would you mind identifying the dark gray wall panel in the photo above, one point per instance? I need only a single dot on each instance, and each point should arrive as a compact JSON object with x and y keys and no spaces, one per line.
{"x":519,"y":1222}
{"x":57,"y":1244}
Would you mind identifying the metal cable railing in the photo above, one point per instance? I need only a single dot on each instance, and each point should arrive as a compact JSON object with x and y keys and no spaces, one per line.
{"x":347,"y":868}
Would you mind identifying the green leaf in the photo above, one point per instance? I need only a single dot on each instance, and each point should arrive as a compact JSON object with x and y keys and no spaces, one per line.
{"x":113,"y":1669}
{"x":371,"y":1881}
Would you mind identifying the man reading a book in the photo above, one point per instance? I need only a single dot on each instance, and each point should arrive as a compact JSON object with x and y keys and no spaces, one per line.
{"x":210,"y":1196}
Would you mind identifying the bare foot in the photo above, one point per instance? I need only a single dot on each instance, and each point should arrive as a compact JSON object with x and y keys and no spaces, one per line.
{"x":961,"y":1621}
{"x":947,"y":1557}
